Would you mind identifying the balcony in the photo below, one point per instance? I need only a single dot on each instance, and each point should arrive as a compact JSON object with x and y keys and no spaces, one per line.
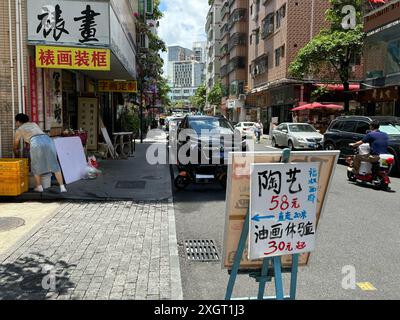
{"x":237,"y":39}
{"x":236,"y":16}
{"x":224,"y":50}
{"x":268,"y":25}
{"x":224,"y":30}
{"x":224,"y":71}
{"x":225,"y":9}
{"x":236,"y":63}
{"x":259,"y":66}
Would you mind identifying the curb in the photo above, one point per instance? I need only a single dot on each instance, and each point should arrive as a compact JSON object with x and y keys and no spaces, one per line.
{"x":175,"y":271}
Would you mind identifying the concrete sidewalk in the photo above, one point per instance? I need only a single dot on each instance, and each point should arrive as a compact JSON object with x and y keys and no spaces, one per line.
{"x":131,"y":179}
{"x":97,"y":250}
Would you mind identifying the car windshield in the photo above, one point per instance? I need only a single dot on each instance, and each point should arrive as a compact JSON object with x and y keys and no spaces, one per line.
{"x":248,"y":124}
{"x":220,"y":125}
{"x":301,"y":128}
{"x":390,"y":130}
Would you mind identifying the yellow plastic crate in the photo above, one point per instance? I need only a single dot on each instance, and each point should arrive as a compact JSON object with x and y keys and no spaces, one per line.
{"x":14,"y":175}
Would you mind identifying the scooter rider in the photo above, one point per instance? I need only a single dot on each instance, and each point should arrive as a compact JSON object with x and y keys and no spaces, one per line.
{"x":378,"y":142}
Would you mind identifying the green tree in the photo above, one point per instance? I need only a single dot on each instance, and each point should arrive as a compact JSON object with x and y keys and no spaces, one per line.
{"x":216,"y":94}
{"x":199,"y":98}
{"x":335,"y":48}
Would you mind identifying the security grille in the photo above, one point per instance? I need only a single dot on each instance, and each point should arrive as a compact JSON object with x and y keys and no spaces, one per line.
{"x":201,"y":250}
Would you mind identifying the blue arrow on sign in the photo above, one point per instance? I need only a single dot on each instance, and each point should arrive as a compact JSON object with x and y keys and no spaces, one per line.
{"x":258,"y":218}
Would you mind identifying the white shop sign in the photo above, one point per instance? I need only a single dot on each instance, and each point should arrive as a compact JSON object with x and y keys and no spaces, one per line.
{"x":69,"y":22}
{"x":283,"y":205}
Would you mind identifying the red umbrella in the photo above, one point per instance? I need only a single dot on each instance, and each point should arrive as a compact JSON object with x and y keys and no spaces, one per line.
{"x":317,"y":105}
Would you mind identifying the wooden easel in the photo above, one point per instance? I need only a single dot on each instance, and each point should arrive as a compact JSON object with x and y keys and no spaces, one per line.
{"x":264,"y":275}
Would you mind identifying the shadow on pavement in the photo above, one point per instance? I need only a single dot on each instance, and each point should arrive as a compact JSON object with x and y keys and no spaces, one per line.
{"x":33,"y":277}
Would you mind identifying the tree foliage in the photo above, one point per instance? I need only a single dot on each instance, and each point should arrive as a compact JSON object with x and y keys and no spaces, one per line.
{"x":335,"y":48}
{"x":216,"y":94}
{"x":199,"y":98}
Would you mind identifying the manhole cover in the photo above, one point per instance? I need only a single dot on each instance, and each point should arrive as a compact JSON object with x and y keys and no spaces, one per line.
{"x":130,"y":184}
{"x":201,"y":250}
{"x":10,"y":223}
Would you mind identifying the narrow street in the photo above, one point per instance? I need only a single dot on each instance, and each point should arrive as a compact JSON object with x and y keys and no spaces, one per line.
{"x":356,"y":229}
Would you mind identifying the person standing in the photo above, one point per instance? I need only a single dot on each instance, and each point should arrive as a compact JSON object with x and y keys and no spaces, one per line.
{"x":42,"y":151}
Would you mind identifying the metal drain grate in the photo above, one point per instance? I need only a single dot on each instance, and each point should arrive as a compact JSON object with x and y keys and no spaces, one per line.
{"x":201,"y":250}
{"x":10,"y":223}
{"x":130,"y":184}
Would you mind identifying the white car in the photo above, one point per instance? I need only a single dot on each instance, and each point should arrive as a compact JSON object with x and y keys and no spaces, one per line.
{"x":245,"y":128}
{"x":297,"y":136}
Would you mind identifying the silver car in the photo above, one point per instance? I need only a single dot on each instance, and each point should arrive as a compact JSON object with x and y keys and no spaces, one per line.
{"x":297,"y":136}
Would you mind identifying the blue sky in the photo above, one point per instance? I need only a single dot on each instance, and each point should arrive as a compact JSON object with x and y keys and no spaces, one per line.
{"x":183,"y":22}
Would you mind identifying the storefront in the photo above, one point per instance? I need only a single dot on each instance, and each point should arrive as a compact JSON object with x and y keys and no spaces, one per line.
{"x":379,"y":94}
{"x":82,"y":67}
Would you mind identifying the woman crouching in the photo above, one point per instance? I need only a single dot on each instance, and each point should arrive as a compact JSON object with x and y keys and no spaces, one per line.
{"x":42,"y":150}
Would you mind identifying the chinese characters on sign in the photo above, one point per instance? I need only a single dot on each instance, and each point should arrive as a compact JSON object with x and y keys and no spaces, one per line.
{"x":88,"y":120}
{"x":283,"y":206}
{"x":69,"y":22}
{"x":73,"y":58}
{"x":117,"y":86}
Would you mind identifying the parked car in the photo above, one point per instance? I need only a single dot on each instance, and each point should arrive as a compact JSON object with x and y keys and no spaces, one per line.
{"x":245,"y":128}
{"x":350,"y":129}
{"x":296,"y":136}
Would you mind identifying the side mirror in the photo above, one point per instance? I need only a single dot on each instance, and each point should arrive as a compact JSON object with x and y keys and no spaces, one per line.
{"x":319,"y":131}
{"x":284,"y":131}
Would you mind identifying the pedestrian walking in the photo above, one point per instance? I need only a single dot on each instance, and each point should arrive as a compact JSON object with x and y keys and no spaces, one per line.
{"x":42,"y":151}
{"x":258,"y":130}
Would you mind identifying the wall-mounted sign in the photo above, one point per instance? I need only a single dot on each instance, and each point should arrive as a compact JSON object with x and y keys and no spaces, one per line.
{"x":69,"y":22}
{"x":73,"y":58}
{"x":117,"y":86}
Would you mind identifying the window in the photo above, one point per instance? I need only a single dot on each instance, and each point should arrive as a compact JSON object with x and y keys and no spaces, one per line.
{"x":362,"y":127}
{"x":349,"y":126}
{"x":280,"y":14}
{"x":251,"y":39}
{"x":277,"y":57}
{"x":336,"y":126}
{"x":257,"y":36}
{"x":279,"y":53}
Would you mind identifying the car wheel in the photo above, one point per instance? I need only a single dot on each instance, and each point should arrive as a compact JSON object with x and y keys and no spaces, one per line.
{"x":181,"y":182}
{"x":273,"y":143}
{"x":291,"y":145}
{"x":329,"y":146}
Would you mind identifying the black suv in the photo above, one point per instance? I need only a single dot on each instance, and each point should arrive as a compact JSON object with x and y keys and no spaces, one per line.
{"x":219,"y":135}
{"x":349,"y":129}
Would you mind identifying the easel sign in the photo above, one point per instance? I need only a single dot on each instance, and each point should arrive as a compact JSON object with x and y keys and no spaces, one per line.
{"x":274,"y":201}
{"x":238,"y":198}
{"x":283,"y":207}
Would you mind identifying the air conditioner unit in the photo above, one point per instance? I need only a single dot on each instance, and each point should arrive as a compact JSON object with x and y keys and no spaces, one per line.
{"x":242,"y":97}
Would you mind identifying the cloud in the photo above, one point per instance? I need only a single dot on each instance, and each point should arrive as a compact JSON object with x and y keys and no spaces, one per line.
{"x":183,"y":22}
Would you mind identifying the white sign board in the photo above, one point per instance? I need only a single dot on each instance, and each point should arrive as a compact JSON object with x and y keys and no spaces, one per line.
{"x":72,"y":158}
{"x":283,"y":206}
{"x":63,"y":22}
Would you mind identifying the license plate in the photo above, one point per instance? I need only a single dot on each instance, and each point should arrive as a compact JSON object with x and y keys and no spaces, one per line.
{"x":312,"y":145}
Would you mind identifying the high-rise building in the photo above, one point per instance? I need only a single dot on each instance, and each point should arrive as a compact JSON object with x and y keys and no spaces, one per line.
{"x":213,"y":47}
{"x":233,"y":55}
{"x":185,"y":71}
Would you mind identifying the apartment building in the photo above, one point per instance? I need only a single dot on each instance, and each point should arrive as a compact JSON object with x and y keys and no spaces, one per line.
{"x":277,"y":30}
{"x":380,"y":94}
{"x":233,"y":56}
{"x":213,"y":47}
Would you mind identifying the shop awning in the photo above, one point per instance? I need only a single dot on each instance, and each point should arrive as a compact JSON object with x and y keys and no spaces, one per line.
{"x":317,"y":105}
{"x":338,"y":87}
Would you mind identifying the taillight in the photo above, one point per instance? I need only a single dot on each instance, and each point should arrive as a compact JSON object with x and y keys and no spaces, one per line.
{"x":390,"y":161}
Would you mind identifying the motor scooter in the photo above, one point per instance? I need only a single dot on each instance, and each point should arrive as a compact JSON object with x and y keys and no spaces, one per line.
{"x":375,"y":174}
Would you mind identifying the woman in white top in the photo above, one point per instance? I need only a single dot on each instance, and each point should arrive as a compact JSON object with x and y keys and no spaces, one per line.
{"x":42,"y":150}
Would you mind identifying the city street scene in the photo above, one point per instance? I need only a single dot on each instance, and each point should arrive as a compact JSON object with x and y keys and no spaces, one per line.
{"x":173,"y":150}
